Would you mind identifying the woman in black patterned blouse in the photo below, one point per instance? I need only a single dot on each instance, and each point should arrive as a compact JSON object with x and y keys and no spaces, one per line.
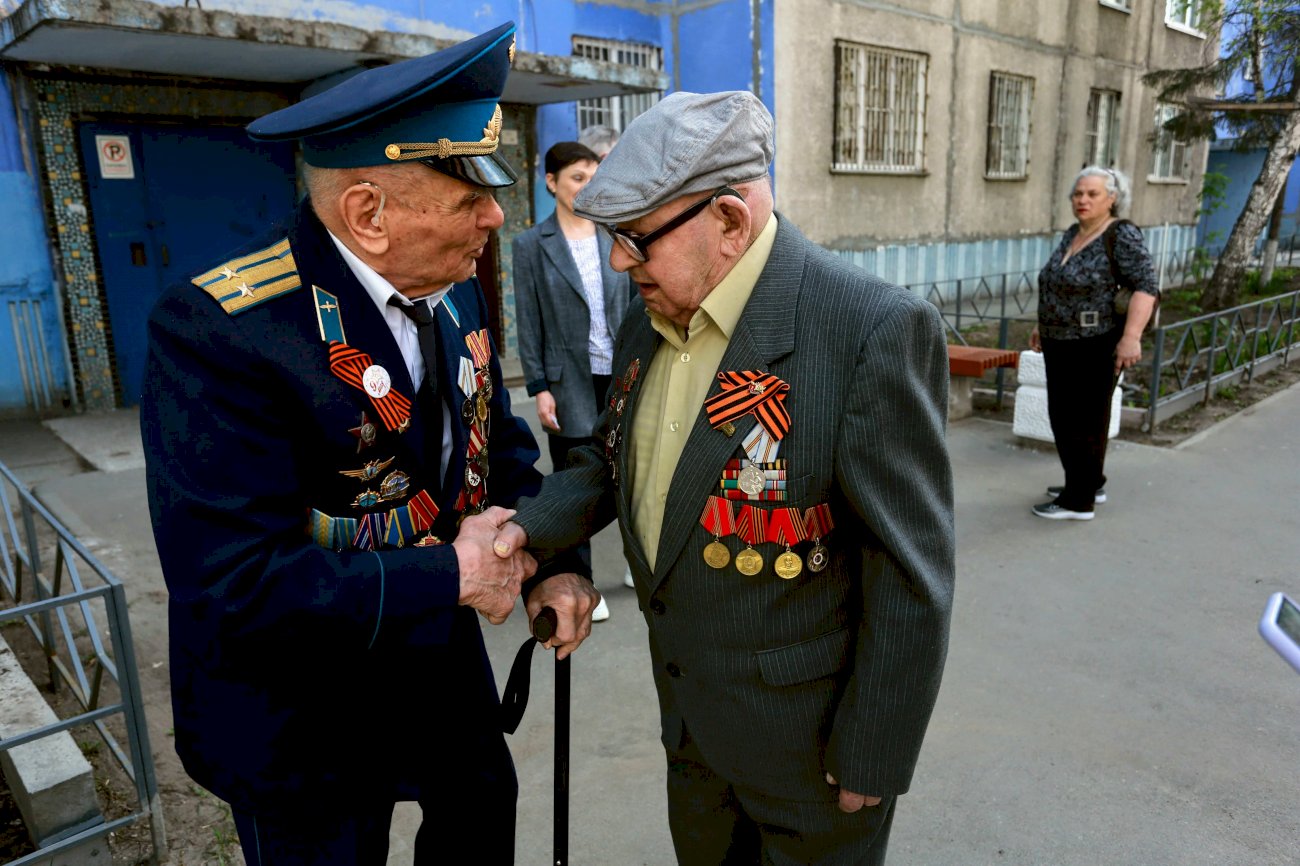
{"x":1085,"y":343}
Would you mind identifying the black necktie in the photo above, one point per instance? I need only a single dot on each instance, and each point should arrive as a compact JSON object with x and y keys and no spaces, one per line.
{"x":426,"y":331}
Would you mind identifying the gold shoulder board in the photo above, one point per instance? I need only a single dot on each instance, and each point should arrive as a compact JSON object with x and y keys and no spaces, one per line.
{"x":247,"y":281}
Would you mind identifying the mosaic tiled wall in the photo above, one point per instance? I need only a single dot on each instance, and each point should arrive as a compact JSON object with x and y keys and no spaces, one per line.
{"x":60,"y":104}
{"x":517,"y":204}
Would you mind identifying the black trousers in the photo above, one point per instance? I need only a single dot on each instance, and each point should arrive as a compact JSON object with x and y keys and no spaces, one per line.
{"x":469,"y":808}
{"x":715,"y":823}
{"x":560,"y":446}
{"x":1080,"y":381}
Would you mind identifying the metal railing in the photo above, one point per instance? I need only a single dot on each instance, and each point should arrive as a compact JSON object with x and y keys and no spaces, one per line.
{"x":64,"y":615}
{"x":1192,"y":359}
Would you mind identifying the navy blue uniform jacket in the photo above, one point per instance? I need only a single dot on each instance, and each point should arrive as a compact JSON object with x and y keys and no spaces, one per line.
{"x":301,"y":674}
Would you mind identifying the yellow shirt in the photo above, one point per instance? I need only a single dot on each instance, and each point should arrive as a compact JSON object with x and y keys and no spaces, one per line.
{"x":676,"y":383}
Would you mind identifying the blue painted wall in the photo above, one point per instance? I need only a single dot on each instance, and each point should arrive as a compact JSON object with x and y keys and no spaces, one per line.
{"x":26,"y":283}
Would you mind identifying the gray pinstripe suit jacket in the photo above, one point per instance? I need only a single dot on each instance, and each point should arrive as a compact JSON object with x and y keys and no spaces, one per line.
{"x":777,"y":680}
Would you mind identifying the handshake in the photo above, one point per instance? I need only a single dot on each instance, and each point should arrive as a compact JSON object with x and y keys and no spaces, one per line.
{"x":493,"y":566}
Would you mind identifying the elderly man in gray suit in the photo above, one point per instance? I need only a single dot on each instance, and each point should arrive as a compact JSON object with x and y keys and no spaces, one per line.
{"x":773,"y":450}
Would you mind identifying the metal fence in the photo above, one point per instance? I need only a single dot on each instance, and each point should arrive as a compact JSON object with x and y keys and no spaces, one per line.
{"x":68,"y":599}
{"x":1189,"y":360}
{"x":1194,"y":358}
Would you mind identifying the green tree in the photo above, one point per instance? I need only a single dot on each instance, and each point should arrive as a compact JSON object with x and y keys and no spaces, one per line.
{"x":1258,"y":40}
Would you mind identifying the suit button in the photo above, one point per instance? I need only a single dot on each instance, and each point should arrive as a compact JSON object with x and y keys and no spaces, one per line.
{"x":657,"y":606}
{"x":673,"y":670}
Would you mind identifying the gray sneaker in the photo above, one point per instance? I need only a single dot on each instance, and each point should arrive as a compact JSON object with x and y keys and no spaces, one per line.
{"x":1099,"y":497}
{"x":1052,"y":511}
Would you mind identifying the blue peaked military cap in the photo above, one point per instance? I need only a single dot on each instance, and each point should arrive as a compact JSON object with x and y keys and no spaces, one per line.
{"x":440,"y":110}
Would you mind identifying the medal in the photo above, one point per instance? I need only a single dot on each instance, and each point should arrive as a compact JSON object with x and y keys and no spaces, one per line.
{"x":817,"y":523}
{"x":751,"y":480}
{"x":751,"y":527}
{"x":749,"y":562}
{"x":429,"y":540}
{"x":468,"y":410}
{"x":719,"y":519}
{"x":394,"y":486}
{"x":365,"y":433}
{"x":788,"y":565}
{"x":786,"y":526}
{"x":481,"y":407}
{"x":716,"y":554}
{"x":472,"y":478}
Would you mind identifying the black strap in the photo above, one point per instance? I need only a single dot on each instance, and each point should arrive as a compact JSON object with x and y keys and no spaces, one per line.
{"x":1108,"y":241}
{"x":514,"y":700}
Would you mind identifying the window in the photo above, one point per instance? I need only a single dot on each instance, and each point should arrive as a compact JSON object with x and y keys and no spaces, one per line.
{"x":1183,"y":14}
{"x":616,"y":111}
{"x":1126,"y":5}
{"x":1010,"y":97}
{"x":1170,"y":157}
{"x":1103,"y":128}
{"x":879,"y":109}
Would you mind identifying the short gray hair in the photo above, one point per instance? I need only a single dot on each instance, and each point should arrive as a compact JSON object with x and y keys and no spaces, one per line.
{"x":1117,"y":184}
{"x":599,"y":138}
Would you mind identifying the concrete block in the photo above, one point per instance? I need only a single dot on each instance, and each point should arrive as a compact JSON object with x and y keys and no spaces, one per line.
{"x":51,"y":781}
{"x":960,"y":390}
{"x":1030,"y":419}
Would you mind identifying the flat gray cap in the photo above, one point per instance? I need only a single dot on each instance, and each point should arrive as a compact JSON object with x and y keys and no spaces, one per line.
{"x":688,"y":142}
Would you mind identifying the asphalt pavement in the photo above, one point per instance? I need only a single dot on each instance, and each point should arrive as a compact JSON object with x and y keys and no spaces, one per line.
{"x":1107,"y":698}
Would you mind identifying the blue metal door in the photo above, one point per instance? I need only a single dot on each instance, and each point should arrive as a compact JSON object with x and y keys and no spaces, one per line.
{"x":175,"y":200}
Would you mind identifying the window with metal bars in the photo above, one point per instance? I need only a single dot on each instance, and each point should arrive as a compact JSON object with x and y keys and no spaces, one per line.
{"x":1102,"y":137}
{"x":1183,"y":13}
{"x":1170,"y":154}
{"x":880,"y":96}
{"x":616,"y":111}
{"x":1010,"y":98}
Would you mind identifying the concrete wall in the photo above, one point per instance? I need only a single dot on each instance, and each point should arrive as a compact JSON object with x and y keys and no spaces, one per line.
{"x":1066,"y":46}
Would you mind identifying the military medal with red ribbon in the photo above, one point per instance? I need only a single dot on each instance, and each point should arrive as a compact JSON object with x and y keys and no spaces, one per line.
{"x":473,"y":495}
{"x":785,"y":526}
{"x":751,"y":527}
{"x":360,"y":371}
{"x":719,"y":519}
{"x":817,"y":524}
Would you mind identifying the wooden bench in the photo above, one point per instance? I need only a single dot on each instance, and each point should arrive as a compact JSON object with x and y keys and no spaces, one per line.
{"x":965,"y":365}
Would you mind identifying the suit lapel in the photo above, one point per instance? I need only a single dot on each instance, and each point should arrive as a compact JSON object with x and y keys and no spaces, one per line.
{"x":642,"y":342}
{"x":764,"y":334}
{"x":454,"y":348}
{"x":556,"y":249}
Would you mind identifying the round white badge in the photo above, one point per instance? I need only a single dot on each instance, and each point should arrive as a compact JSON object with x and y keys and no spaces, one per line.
{"x":376,"y":381}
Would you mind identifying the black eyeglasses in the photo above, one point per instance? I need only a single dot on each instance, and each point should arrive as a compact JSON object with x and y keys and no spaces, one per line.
{"x":635,"y":244}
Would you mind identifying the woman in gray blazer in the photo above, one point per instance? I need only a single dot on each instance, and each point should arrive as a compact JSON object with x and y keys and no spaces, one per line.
{"x":569,"y":303}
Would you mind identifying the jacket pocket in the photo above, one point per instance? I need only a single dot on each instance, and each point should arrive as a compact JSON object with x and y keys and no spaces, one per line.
{"x":807,"y":660}
{"x":554,"y":371}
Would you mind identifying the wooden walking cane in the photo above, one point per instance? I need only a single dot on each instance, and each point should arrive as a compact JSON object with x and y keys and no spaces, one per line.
{"x":544,"y":628}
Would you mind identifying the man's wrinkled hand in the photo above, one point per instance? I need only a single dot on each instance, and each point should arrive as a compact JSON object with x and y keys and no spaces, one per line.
{"x":850,"y":801}
{"x":573,"y":598}
{"x":511,"y":537}
{"x":490,"y":583}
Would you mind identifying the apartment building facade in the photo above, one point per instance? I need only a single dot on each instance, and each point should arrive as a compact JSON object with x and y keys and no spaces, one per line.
{"x":925,"y":140}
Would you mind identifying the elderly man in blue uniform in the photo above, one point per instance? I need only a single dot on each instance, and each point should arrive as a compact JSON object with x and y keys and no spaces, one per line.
{"x":774,"y":454}
{"x":328,"y":445}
